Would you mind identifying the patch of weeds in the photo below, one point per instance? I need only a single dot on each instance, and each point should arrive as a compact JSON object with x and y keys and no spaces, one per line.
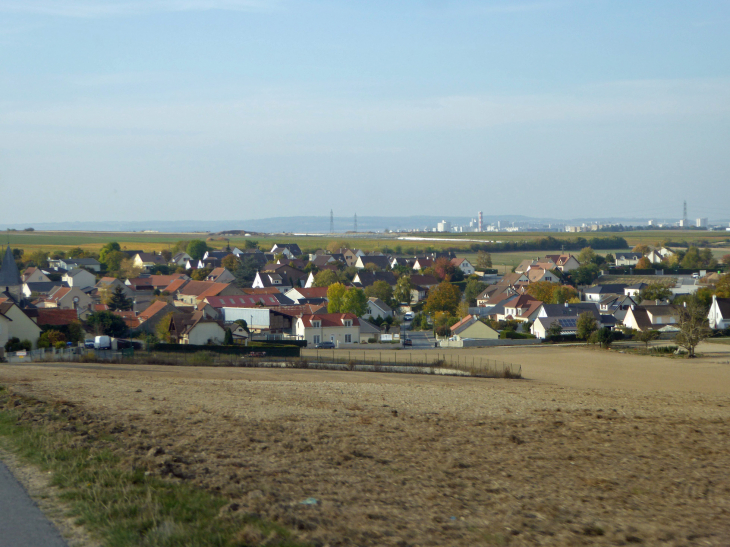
{"x":123,"y":506}
{"x":593,"y":530}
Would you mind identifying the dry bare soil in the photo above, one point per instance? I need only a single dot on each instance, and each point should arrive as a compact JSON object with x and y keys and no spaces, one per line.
{"x":424,"y":460}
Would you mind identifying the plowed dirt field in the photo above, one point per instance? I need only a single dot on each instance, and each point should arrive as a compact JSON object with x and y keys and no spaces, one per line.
{"x":422,"y":460}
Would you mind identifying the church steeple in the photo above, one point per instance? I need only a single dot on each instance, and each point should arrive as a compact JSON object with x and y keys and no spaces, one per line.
{"x":9,"y":274}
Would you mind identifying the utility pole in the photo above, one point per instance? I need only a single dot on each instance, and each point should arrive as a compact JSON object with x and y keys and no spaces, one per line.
{"x":332,"y":222}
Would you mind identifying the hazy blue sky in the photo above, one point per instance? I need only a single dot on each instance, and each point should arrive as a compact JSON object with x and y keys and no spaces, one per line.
{"x":230,"y":109}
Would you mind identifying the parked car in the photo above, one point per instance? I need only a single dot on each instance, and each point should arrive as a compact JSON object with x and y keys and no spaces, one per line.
{"x":407,"y":342}
{"x":89,"y":343}
{"x":409,"y":315}
{"x":325,"y":345}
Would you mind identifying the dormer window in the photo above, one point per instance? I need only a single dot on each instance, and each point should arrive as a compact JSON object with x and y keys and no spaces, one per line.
{"x":348,"y":322}
{"x":316,"y":324}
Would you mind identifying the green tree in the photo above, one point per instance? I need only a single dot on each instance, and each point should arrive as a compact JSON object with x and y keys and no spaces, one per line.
{"x":473,"y":288}
{"x":585,"y":275}
{"x":586,"y":255}
{"x":605,"y":337}
{"x":610,"y":258}
{"x":722,"y":289}
{"x":230,"y":262}
{"x":586,"y":325}
{"x":200,"y":274}
{"x":402,"y":292}
{"x":77,"y":252}
{"x":245,"y":272}
{"x":335,"y":297}
{"x":554,"y":330}
{"x":325,"y":278}
{"x":564,"y":294}
{"x":75,"y":332}
{"x":691,"y":259}
{"x":50,"y":338}
{"x":354,"y":301}
{"x":117,"y":300}
{"x":655,"y":291}
{"x":250,"y":244}
{"x":646,"y":336}
{"x":228,"y":338}
{"x":162,"y":329}
{"x":106,"y":249}
{"x":444,"y":297}
{"x":484,"y":261}
{"x":113,"y":260}
{"x":641,"y":248}
{"x":107,"y":323}
{"x":693,"y":325}
{"x":39,"y":259}
{"x":196,"y":249}
{"x":381,"y":289}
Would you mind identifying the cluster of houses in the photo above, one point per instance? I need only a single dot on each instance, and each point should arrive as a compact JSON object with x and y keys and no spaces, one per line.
{"x":283,"y":301}
{"x":612,"y":305}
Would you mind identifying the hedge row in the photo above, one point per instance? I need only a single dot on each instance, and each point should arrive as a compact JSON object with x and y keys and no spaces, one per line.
{"x":253,"y":347}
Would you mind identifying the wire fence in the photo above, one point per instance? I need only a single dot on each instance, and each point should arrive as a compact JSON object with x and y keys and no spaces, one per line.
{"x":367,"y":361}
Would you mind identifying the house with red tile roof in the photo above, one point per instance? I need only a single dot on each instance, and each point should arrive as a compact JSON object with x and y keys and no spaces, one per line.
{"x":298,"y":293}
{"x":196,"y":329}
{"x":464,"y":265}
{"x":339,"y":328}
{"x":193,"y":291}
{"x":55,"y":316}
{"x":153,"y":314}
{"x":524,"y":308}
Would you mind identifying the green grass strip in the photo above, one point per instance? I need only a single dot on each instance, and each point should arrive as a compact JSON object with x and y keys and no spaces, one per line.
{"x":122,"y":506}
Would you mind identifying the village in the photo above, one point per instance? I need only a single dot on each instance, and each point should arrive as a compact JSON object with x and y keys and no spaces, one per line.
{"x":337,"y":297}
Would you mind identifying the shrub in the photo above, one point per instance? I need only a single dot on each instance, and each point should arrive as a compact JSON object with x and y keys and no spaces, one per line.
{"x":60,"y":345}
{"x":664,"y":349}
{"x":15,"y":344}
{"x":512,"y":335}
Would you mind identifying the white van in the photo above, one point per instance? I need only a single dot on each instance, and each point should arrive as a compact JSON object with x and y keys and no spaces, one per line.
{"x":102,"y":342}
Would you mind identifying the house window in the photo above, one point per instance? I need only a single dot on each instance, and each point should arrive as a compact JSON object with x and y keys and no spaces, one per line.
{"x":348,"y":323}
{"x":348,"y":338}
{"x":316,"y":324}
{"x":316,"y":339}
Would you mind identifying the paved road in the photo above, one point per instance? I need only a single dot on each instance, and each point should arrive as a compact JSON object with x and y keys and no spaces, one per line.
{"x":421,"y":339}
{"x":22,"y":524}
